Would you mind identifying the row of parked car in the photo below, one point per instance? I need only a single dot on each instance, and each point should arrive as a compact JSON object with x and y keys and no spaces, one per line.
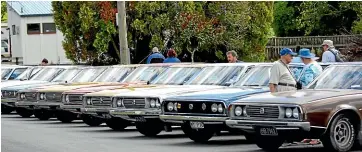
{"x":203,"y":99}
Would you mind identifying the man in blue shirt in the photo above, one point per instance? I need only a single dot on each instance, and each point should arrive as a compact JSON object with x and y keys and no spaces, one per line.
{"x":311,"y":68}
{"x":232,"y":57}
{"x":155,"y":57}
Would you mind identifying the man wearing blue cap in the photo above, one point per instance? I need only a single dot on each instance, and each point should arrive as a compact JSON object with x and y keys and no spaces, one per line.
{"x":311,"y":68}
{"x":281,"y":77}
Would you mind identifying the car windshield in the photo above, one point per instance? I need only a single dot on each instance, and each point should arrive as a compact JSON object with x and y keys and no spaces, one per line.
{"x":28,"y":74}
{"x":5,"y":72}
{"x":176,"y":75}
{"x":339,"y":77}
{"x":16,"y":73}
{"x":114,"y":74}
{"x":217,"y":75}
{"x":88,"y":74}
{"x":47,"y":74}
{"x":67,"y":75}
{"x":259,"y":76}
{"x":144,"y":74}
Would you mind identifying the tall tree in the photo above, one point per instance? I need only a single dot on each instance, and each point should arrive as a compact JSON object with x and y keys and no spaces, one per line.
{"x":4,"y":13}
{"x":285,"y":18}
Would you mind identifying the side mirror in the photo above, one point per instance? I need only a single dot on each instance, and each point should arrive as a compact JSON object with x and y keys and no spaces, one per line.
{"x":24,"y":79}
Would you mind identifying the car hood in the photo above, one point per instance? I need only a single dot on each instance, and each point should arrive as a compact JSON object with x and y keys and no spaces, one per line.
{"x":66,"y":87}
{"x":15,"y":83}
{"x":169,"y":90}
{"x":29,"y":86}
{"x":298,"y":97}
{"x":100,"y":87}
{"x":106,"y":93}
{"x":226,"y":94}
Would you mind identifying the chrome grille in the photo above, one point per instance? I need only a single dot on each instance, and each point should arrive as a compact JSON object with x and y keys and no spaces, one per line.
{"x":137,"y":103}
{"x":75,"y":98}
{"x":8,"y":94}
{"x":53,"y":96}
{"x":262,"y":111}
{"x":101,"y":101}
{"x":30,"y":96}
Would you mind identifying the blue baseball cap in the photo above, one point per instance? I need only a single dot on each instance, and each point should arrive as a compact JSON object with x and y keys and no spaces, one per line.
{"x":286,"y":51}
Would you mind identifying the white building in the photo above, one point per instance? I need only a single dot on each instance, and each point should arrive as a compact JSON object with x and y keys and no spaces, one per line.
{"x":33,"y":33}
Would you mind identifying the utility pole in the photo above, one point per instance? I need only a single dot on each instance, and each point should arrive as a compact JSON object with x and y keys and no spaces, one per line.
{"x":122,"y":33}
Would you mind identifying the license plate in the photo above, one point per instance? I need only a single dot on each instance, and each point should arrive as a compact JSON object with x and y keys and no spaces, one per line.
{"x":268,"y":131}
{"x":197,"y":125}
{"x":140,"y":119}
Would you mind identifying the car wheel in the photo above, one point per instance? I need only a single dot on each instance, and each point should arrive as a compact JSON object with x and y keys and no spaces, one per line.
{"x":66,"y":117}
{"x":341,"y":134}
{"x":43,"y":114}
{"x":269,"y":143}
{"x":200,"y":135}
{"x":149,"y":128}
{"x":6,"y":109}
{"x":92,"y":121}
{"x":25,"y":113}
{"x":117,"y":123}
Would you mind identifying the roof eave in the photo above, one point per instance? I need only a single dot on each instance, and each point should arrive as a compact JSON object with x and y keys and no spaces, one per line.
{"x":35,"y":15}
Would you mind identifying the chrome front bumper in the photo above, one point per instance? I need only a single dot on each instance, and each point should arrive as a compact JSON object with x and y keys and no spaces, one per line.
{"x":182,"y":119}
{"x":248,"y":125}
{"x":71,"y":108}
{"x":47,"y":105}
{"x":25,"y":104}
{"x":95,"y":111}
{"x":10,"y":102}
{"x":128,"y":114}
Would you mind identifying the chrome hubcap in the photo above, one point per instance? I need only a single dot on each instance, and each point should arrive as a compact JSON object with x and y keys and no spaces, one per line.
{"x":342,"y":133}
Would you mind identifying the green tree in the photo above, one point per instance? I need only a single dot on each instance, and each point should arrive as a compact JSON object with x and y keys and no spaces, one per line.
{"x":4,"y":13}
{"x":285,"y":19}
{"x":88,"y":29}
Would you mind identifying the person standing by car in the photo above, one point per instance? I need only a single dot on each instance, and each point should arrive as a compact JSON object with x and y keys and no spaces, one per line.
{"x":281,"y":77}
{"x":232,"y":57}
{"x":155,"y":57}
{"x":330,"y":53}
{"x":311,"y":68}
{"x":171,"y":57}
{"x":44,"y":62}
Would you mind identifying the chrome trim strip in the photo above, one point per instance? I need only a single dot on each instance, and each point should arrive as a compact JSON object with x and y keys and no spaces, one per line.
{"x":247,"y":124}
{"x":192,"y":118}
{"x":141,"y":112}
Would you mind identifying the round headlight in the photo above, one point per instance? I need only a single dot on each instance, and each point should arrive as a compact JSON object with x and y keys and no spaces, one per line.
{"x":89,"y":102}
{"x":170,"y":106}
{"x":153,"y":103}
{"x":295,"y":113}
{"x":220,"y":108}
{"x":214,"y":107}
{"x":42,"y":96}
{"x":67,"y":98}
{"x":22,"y":96}
{"x":119,"y":102}
{"x":175,"y":106}
{"x":238,"y":111}
{"x":288,"y":112}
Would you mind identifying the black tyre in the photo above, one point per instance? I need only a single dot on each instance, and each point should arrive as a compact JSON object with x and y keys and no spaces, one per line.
{"x":117,"y":123}
{"x":269,"y":143}
{"x":25,"y":113}
{"x":6,"y":109}
{"x":43,"y":114}
{"x":66,"y":117}
{"x":150,"y":128}
{"x":200,"y":135}
{"x":341,"y":135}
{"x":92,"y":121}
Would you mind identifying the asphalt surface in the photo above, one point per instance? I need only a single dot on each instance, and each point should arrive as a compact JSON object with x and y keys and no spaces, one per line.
{"x":29,"y":134}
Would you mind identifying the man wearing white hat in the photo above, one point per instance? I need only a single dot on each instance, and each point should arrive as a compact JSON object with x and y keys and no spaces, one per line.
{"x":155,"y":57}
{"x":328,"y":55}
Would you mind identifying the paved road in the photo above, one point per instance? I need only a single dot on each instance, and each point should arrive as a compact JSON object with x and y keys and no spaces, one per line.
{"x":29,"y":134}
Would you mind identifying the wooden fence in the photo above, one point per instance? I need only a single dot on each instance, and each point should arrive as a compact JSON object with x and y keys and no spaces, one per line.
{"x":275,"y":44}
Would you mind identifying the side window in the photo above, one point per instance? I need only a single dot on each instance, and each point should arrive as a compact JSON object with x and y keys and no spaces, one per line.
{"x":16,"y":73}
{"x":33,"y":28}
{"x":49,"y":28}
{"x":13,"y":29}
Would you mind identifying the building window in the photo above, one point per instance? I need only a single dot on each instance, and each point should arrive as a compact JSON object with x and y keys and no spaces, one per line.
{"x":34,"y":28}
{"x":49,"y":28}
{"x":14,"y":30}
